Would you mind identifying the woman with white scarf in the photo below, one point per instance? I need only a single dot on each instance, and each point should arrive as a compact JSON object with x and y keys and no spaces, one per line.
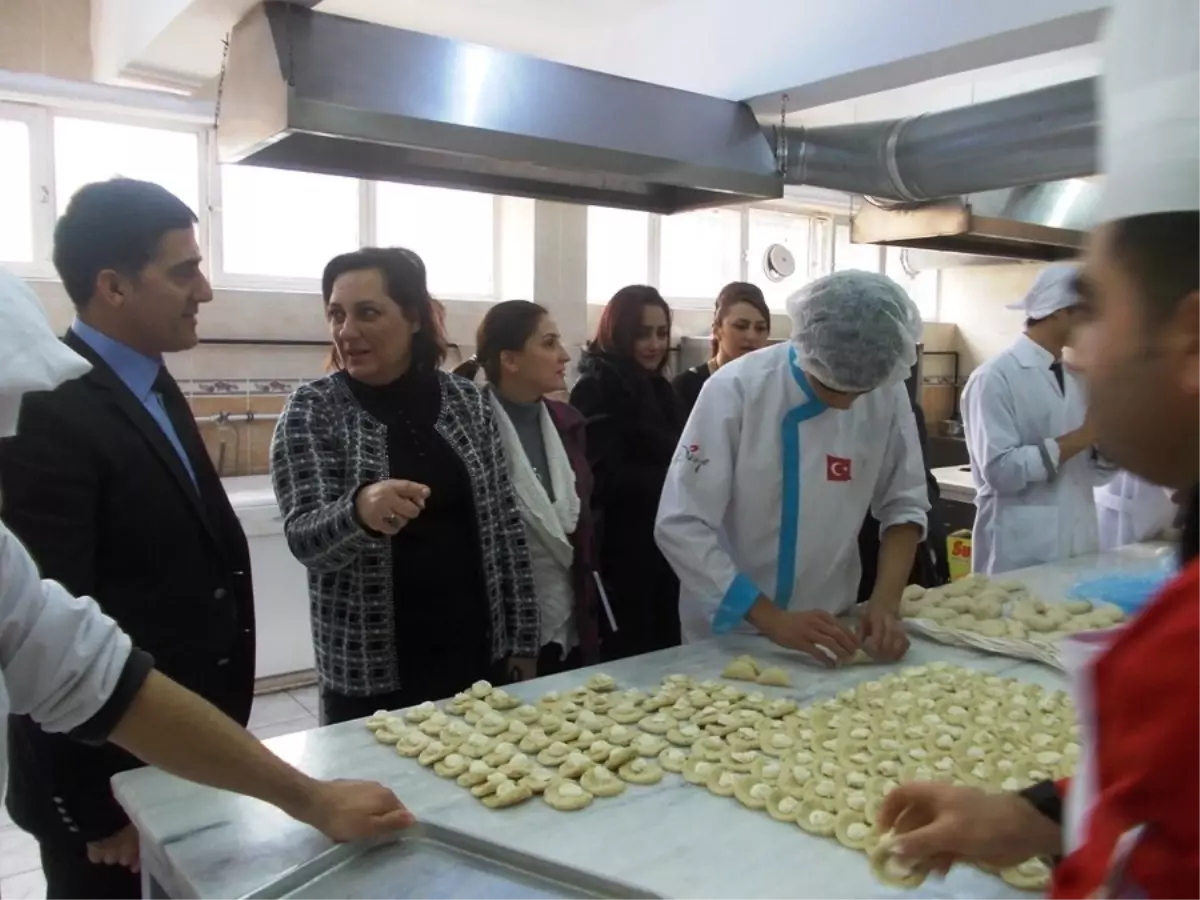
{"x":519,"y":349}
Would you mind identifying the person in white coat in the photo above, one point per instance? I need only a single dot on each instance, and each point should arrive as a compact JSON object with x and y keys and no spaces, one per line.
{"x":785,"y":451}
{"x":71,"y":668}
{"x":1032,"y":451}
{"x":1130,"y":509}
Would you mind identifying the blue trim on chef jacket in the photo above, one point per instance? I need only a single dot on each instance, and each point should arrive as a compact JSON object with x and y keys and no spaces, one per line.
{"x":789,"y":514}
{"x":743,"y":592}
{"x":735,"y":604}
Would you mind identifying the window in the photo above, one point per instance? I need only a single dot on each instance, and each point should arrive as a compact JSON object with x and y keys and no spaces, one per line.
{"x":699,"y":253}
{"x":284,"y":224}
{"x":452,"y":231}
{"x":618,"y":251}
{"x":848,"y":256}
{"x":795,"y":233}
{"x":87,"y":150}
{"x":16,"y":192}
{"x":922,"y":287}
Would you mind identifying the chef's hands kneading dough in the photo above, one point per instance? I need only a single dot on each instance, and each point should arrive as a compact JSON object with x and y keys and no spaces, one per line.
{"x":880,"y":630}
{"x":937,"y":825}
{"x":813,"y":631}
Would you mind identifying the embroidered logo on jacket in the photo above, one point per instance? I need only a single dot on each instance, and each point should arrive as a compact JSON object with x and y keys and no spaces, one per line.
{"x":837,"y":468}
{"x":690,"y":454}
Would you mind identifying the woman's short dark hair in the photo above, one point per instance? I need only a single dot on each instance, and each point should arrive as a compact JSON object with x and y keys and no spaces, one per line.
{"x":622,"y":319}
{"x":507,"y":326}
{"x":731,"y":295}
{"x":404,"y":282}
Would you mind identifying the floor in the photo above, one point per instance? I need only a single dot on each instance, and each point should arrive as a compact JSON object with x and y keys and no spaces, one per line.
{"x":20,"y":866}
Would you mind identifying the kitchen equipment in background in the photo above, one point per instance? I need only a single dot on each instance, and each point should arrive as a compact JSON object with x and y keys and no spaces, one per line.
{"x":285,"y":648}
{"x":952,"y":428}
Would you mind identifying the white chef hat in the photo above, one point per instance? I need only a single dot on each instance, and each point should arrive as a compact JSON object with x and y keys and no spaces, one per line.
{"x":1150,"y":108}
{"x":1052,"y":290}
{"x":32,"y":358}
{"x":855,"y":331}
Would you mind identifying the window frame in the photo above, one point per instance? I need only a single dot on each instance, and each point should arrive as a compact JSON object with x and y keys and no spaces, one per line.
{"x":42,"y":205}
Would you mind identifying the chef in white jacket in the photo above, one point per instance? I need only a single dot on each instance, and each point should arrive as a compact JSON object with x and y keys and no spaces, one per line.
{"x":68,"y":666}
{"x":1130,"y":509}
{"x":785,"y":451}
{"x":1032,"y":451}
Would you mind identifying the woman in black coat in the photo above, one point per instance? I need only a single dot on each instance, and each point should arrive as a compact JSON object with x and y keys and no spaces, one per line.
{"x":633,"y":425}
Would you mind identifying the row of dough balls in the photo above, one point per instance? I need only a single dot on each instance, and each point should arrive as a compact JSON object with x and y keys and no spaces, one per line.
{"x":1005,"y":609}
{"x":840,"y":758}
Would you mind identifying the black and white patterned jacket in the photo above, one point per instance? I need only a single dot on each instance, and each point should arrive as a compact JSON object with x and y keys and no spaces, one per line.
{"x":326,"y":445}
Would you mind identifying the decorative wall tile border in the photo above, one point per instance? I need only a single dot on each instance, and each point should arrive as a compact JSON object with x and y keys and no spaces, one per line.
{"x":227,"y":387}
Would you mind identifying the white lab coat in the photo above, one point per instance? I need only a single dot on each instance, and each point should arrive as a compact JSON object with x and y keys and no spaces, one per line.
{"x":1130,"y":509}
{"x":1031,"y":508}
{"x":60,"y":656}
{"x":769,"y":489}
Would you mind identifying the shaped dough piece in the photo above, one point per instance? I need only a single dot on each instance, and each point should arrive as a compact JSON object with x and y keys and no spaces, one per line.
{"x":628,"y":714}
{"x":518,"y":767}
{"x":741,"y":669}
{"x":434,"y":724}
{"x":673,"y":759}
{"x":376,"y":720}
{"x":500,"y":754}
{"x":777,"y":709}
{"x":435,"y":751}
{"x":816,"y":821}
{"x":782,"y":806}
{"x":535,"y":741}
{"x":567,"y":796}
{"x":502,"y":700}
{"x":648,"y":744}
{"x":530,"y":715}
{"x":538,"y":780}
{"x":575,"y":765}
{"x":423,"y":711}
{"x":554,"y":755}
{"x":993,"y":628}
{"x":641,"y":771}
{"x":852,"y":830}
{"x":659,"y":723}
{"x":601,"y":782}
{"x":602,"y":683}
{"x":774,"y":676}
{"x":684,"y":735}
{"x":411,"y":744}
{"x":912,"y":592}
{"x":752,"y":793}
{"x":392,"y":738}
{"x":509,"y":793}
{"x":722,"y":782}
{"x":621,"y":735}
{"x":619,"y":757}
{"x":490,"y":785}
{"x":477,"y":746}
{"x":477,"y":773}
{"x":452,"y":765}
{"x":1031,"y":875}
{"x":889,"y":869}
{"x":698,"y":771}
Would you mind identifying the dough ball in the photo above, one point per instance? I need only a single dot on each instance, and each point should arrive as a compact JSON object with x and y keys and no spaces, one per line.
{"x":912,"y":592}
{"x":993,"y":628}
{"x":741,"y":669}
{"x":986,"y":607}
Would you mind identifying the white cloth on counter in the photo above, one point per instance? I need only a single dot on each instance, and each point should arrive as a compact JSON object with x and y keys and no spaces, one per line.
{"x":1031,"y":507}
{"x":769,"y":489}
{"x":548,"y":524}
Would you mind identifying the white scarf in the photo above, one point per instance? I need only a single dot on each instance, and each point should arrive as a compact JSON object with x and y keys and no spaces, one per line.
{"x":551,"y":523}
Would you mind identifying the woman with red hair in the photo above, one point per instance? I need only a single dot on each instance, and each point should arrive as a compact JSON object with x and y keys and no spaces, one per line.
{"x":634,"y":423}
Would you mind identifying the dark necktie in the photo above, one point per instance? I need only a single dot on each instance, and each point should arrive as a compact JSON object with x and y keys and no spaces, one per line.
{"x":182,"y":420}
{"x":1057,"y":369}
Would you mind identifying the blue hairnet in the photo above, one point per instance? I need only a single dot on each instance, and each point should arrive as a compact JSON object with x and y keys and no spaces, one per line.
{"x":855,"y":331}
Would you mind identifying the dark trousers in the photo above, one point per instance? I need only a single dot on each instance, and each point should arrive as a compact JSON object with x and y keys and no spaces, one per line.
{"x":69,"y":875}
{"x":551,"y":661}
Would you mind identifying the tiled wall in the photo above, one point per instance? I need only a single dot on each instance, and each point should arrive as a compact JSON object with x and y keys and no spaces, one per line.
{"x":47,"y":37}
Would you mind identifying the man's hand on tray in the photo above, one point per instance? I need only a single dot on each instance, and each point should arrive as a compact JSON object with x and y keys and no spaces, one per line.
{"x":352,"y":810}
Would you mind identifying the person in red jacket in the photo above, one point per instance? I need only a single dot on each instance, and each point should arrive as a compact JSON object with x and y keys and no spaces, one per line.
{"x":1128,"y":823}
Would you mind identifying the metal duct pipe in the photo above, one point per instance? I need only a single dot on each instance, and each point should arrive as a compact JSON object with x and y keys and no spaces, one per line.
{"x":1046,"y":135}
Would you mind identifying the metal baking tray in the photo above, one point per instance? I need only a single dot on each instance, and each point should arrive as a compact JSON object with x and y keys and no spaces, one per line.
{"x":430,"y":861}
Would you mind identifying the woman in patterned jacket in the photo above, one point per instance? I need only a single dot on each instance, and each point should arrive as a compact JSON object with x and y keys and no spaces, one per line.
{"x":395,"y":495}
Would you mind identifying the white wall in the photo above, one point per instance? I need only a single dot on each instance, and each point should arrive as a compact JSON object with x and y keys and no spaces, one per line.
{"x":973,"y":298}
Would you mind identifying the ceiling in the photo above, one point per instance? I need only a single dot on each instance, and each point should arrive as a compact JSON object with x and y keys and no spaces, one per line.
{"x":742,"y":50}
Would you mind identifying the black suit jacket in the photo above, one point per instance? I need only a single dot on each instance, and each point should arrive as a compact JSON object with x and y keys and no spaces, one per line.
{"x":104,"y":504}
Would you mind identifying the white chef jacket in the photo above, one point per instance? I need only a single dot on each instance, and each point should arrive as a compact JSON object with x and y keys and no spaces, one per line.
{"x":1031,"y":507}
{"x":1130,"y":509}
{"x":60,"y":656}
{"x":770,"y":487}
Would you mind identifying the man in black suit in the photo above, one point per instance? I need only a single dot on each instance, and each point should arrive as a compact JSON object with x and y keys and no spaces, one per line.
{"x":109,"y":486}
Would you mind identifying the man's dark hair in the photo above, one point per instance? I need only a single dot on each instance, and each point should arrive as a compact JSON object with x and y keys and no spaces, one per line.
{"x":1162,"y":253}
{"x":116,"y":224}
{"x":404,"y":281}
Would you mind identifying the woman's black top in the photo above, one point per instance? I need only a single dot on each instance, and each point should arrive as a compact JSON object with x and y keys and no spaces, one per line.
{"x":442,"y":618}
{"x":687,"y":385}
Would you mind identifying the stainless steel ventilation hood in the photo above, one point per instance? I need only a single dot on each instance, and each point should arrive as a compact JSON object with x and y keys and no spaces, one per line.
{"x":322,"y":93}
{"x":1003,"y":178}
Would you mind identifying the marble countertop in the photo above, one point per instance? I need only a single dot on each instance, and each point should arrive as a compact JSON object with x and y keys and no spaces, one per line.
{"x":672,"y":839}
{"x":956,"y":483}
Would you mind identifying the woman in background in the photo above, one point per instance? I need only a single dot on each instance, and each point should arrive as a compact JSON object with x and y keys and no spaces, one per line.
{"x":395,"y":495}
{"x":633,"y":427}
{"x":519,"y":348}
{"x":741,"y":325}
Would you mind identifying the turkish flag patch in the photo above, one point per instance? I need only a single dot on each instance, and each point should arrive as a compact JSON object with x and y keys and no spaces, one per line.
{"x":837,"y":468}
